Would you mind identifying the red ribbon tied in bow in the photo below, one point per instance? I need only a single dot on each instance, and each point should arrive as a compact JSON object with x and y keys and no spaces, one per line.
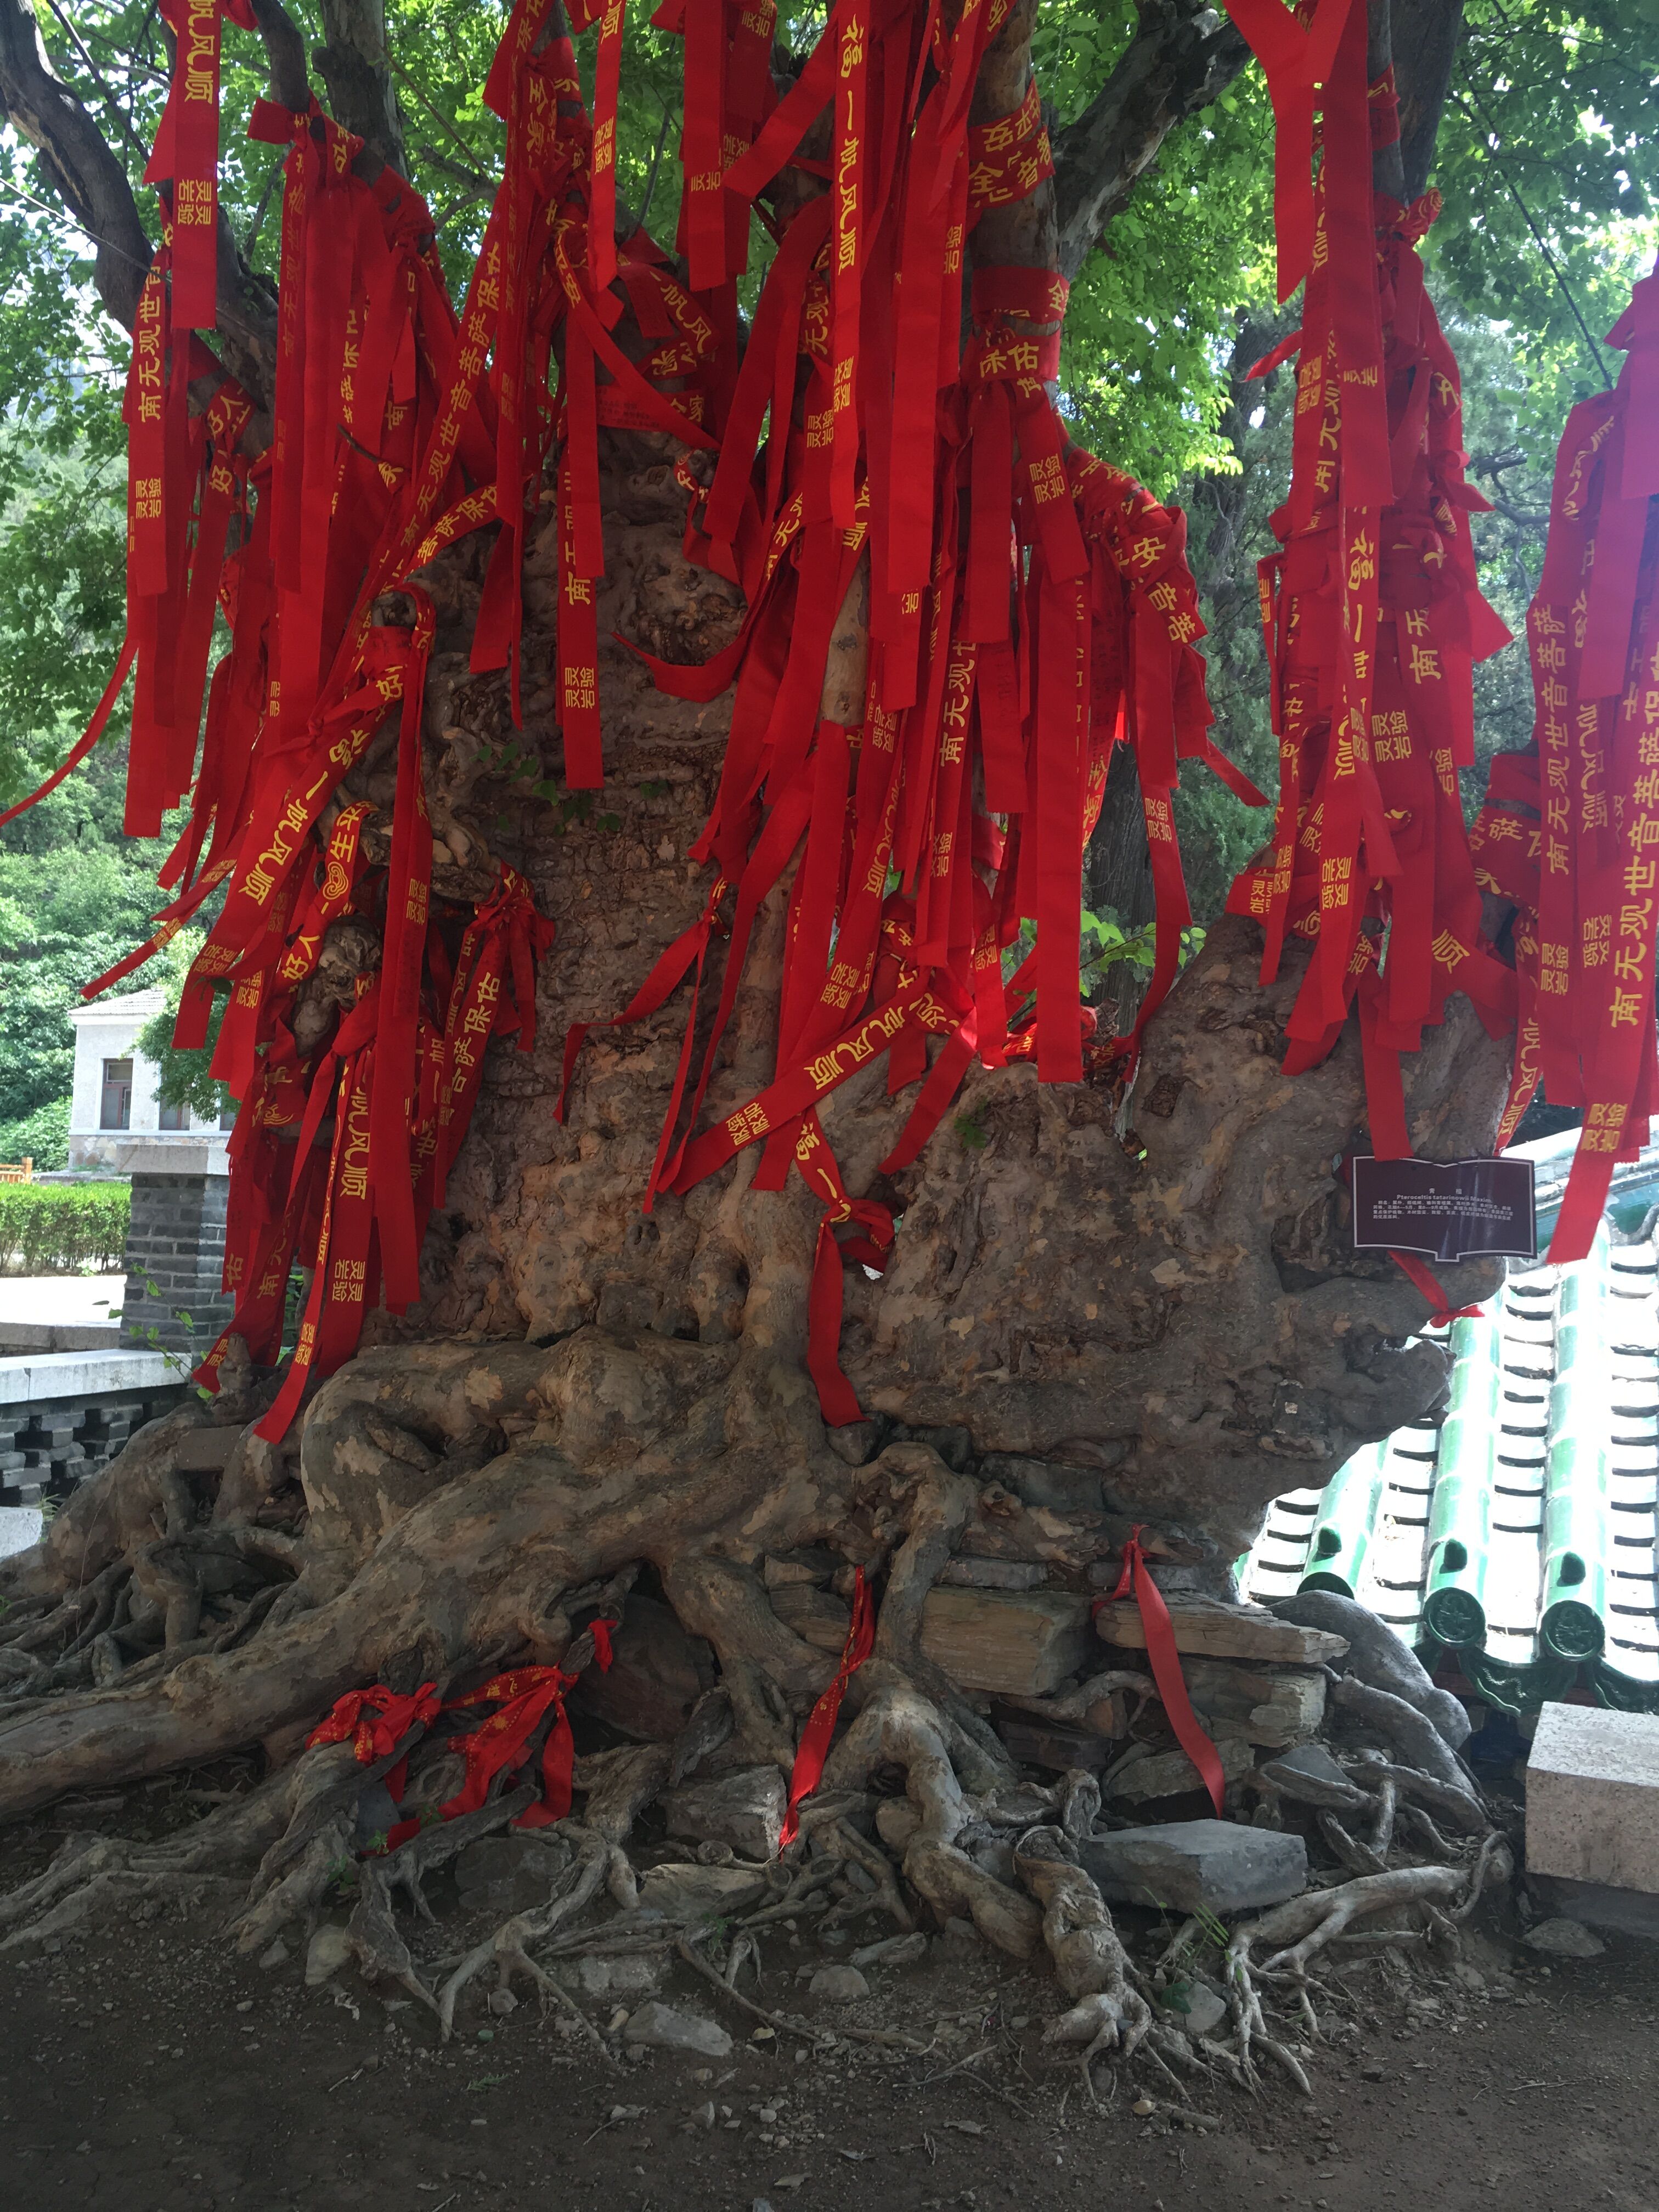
{"x":376,"y":1718}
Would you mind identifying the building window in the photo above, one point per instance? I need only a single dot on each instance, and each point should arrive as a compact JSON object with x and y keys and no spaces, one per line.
{"x":115,"y":1104}
{"x":228,"y":1114}
{"x":174,"y":1117}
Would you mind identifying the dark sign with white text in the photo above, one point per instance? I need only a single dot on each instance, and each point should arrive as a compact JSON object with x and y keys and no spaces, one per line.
{"x":1445,"y":1209}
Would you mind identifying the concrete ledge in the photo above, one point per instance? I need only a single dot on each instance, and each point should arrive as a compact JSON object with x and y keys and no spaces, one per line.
{"x":19,"y":1336}
{"x":33,"y":1377}
{"x":1592,"y":1797}
{"x":160,"y":1153}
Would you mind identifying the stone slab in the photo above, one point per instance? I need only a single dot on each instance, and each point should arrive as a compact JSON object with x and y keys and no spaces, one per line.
{"x":20,"y":1526}
{"x":1020,"y":1644}
{"x":1271,"y":1705}
{"x":745,"y":1810}
{"x":1593,"y":1797}
{"x":22,"y":1336}
{"x":692,"y":1893}
{"x":60,"y":1313}
{"x":1172,"y":1774}
{"x":1207,"y":1628}
{"x":34,"y":1378}
{"x":1192,"y":1866}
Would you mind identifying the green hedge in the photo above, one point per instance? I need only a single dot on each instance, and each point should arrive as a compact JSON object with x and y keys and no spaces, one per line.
{"x":63,"y":1228}
{"x":41,"y":1137}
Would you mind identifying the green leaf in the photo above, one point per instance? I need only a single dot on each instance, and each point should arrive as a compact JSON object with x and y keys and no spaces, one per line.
{"x":972,"y":1132}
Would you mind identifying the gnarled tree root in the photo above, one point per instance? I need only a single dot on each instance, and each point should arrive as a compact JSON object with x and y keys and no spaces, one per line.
{"x":1107,"y":2013}
{"x":1306,"y":1924}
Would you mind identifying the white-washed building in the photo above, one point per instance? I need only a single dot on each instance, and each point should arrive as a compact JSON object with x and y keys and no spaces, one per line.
{"x":116,"y":1121}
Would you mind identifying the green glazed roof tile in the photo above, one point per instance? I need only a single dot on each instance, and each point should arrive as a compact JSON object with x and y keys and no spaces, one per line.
{"x":1514,"y":1530}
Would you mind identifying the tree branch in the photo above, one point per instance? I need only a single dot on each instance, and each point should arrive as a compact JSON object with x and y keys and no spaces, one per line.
{"x":1426,"y":36}
{"x":355,"y":66}
{"x":86,"y":174}
{"x":1182,"y":56}
{"x":285,"y":51}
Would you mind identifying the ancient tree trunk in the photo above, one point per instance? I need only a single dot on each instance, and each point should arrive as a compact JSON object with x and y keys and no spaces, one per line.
{"x":1153,"y":1294}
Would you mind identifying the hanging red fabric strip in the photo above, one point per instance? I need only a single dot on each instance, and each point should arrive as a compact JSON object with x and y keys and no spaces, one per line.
{"x":814,"y":1747}
{"x":1136,"y":1581}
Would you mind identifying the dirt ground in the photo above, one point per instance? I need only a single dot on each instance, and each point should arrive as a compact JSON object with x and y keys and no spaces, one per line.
{"x":144,"y":2068}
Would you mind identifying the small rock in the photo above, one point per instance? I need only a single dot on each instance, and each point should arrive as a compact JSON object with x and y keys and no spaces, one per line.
{"x":509,"y":1873}
{"x":960,"y":1939}
{"x":502,"y":2000}
{"x":789,"y":2181}
{"x":1311,"y":1762}
{"x":893,"y":1951}
{"x":1198,"y":1866}
{"x":620,"y":1978}
{"x":689,"y":1894}
{"x":1206,"y":2009}
{"x":840,"y":1984}
{"x":326,"y":1953}
{"x":1172,"y":1774}
{"x":378,"y":1811}
{"x":1373,"y":2070}
{"x":1143,"y":2108}
{"x":702,"y":2115}
{"x":274,"y":1954}
{"x":744,"y":1810}
{"x":1564,"y":1939}
{"x":659,"y":2027}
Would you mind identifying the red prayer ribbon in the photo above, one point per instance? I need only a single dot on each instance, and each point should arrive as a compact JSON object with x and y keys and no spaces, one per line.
{"x":376,"y":1719}
{"x":1136,"y":1581}
{"x":814,"y":1747}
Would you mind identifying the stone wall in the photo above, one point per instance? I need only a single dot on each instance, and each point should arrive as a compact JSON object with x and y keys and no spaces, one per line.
{"x":175,"y":1256}
{"x":63,"y":1415}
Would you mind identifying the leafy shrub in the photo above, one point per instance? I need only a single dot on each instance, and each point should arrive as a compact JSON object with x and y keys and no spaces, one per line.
{"x":63,"y":1228}
{"x":41,"y":1136}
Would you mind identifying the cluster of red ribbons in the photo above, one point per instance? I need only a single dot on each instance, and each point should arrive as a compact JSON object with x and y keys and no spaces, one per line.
{"x":1570,"y":830}
{"x":1029,"y":608}
{"x":395,"y":427}
{"x":375,"y":1721}
{"x":1372,"y":613}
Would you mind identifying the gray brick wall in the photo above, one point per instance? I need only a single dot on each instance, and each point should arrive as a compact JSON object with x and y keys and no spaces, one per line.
{"x":49,"y":1445}
{"x":175,"y":1256}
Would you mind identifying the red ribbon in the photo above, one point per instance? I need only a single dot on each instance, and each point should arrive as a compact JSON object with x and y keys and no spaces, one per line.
{"x":375,"y":1719}
{"x":814,"y":1747}
{"x":1136,"y":1580}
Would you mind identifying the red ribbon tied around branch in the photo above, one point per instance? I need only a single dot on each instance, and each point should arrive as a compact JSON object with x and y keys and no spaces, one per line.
{"x":377,"y":1720}
{"x":814,"y":1747}
{"x":377,"y":1717}
{"x":1136,"y":1581}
